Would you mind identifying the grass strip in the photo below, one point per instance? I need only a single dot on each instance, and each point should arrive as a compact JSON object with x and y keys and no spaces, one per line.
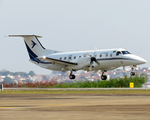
{"x":75,"y":92}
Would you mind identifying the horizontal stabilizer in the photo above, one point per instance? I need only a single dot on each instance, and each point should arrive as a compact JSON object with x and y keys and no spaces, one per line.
{"x":24,"y":36}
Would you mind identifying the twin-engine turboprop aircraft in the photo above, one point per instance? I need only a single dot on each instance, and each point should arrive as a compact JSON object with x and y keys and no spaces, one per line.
{"x":104,"y":60}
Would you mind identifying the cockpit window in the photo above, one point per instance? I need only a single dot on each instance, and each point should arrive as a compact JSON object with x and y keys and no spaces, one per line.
{"x":125,"y":52}
{"x":118,"y":53}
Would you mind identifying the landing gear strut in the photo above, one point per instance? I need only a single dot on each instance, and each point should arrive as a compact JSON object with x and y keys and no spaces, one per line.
{"x":132,"y":72}
{"x":103,"y":77}
{"x":71,"y":76}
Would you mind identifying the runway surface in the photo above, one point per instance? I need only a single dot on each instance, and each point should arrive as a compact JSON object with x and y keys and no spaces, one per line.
{"x":74,"y":106}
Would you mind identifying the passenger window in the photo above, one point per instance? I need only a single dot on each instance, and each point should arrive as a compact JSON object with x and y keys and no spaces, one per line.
{"x":79,"y":56}
{"x":100,"y":55}
{"x":64,"y":58}
{"x":74,"y":57}
{"x":111,"y":55}
{"x":60,"y":58}
{"x":106,"y":55}
{"x":118,"y":53}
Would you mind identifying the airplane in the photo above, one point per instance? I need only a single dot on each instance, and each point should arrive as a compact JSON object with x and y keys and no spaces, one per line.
{"x":104,"y":60}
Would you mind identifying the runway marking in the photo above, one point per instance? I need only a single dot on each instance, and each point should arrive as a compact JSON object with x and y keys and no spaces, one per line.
{"x":14,"y":107}
{"x":62,"y":104}
{"x":7,"y":107}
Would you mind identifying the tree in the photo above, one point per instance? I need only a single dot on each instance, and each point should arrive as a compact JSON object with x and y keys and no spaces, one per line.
{"x":5,"y":73}
{"x":44,"y":77}
{"x":8,"y":80}
{"x":31,"y":73}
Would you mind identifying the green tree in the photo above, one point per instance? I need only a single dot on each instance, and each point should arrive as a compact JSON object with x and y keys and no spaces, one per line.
{"x":44,"y":77}
{"x":31,"y":73}
{"x":8,"y":80}
{"x":5,"y":73}
{"x":23,"y":74}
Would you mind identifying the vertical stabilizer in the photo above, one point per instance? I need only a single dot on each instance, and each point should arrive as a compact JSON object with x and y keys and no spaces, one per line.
{"x":34,"y":47}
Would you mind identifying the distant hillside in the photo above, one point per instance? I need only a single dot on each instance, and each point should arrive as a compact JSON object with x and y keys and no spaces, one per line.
{"x":22,"y":74}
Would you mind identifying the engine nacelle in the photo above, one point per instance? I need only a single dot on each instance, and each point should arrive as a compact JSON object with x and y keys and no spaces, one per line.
{"x":94,"y":64}
{"x":83,"y":62}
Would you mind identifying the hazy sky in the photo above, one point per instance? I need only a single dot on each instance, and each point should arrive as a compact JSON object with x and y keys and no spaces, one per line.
{"x":70,"y":25}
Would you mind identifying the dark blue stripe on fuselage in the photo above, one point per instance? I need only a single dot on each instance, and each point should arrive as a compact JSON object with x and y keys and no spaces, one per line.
{"x":105,"y":59}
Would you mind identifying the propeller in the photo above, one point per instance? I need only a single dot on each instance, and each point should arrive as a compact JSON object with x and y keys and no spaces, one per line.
{"x":93,"y":59}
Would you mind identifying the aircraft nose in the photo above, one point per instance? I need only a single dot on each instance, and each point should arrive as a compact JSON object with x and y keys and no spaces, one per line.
{"x":144,"y":61}
{"x":141,"y":60}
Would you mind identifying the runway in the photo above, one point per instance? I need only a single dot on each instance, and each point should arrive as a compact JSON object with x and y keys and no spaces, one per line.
{"x":74,"y":106}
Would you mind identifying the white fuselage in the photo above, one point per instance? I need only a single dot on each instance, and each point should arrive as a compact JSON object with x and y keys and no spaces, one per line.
{"x":107,"y":59}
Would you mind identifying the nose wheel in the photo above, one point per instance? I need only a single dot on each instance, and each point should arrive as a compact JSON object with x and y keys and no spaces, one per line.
{"x":132,"y":72}
{"x":72,"y":76}
{"x":103,"y":77}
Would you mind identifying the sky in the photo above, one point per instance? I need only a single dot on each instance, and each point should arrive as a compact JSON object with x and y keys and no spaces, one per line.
{"x":71,"y":25}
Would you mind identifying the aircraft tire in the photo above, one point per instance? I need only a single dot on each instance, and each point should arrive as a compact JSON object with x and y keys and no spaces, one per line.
{"x":132,"y":73}
{"x":72,"y":76}
{"x":104,"y":77}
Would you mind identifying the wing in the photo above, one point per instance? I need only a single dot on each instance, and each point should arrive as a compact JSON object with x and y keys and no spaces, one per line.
{"x":57,"y":61}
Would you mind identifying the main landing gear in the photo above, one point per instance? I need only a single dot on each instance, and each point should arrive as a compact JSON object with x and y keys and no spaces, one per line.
{"x":72,"y":76}
{"x":103,"y":77}
{"x":132,"y":72}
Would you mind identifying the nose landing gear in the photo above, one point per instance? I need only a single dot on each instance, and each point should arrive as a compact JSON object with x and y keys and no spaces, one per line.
{"x":132,"y":72}
{"x":103,"y":77}
{"x":72,"y":76}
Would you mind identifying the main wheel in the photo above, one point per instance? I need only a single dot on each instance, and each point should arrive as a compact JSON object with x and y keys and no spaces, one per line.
{"x":104,"y":77}
{"x":132,"y":73}
{"x":72,"y":76}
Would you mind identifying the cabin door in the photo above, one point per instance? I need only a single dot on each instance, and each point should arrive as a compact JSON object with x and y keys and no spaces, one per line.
{"x":70,"y":58}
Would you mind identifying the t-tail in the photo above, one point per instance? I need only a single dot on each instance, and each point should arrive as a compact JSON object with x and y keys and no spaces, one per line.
{"x":34,"y":47}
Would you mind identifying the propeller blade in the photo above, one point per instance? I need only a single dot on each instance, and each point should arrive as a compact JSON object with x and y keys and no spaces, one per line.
{"x":94,"y":59}
{"x":97,"y":62}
